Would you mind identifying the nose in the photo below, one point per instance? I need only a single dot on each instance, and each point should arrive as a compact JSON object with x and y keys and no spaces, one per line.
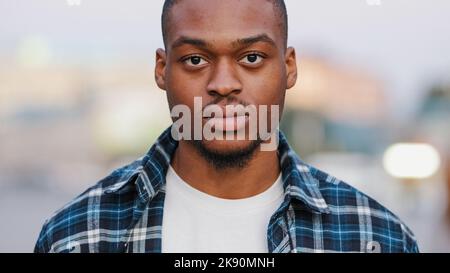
{"x":224,"y":80}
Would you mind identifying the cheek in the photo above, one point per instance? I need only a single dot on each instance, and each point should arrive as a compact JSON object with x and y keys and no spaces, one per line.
{"x":182,"y":87}
{"x":268,"y":88}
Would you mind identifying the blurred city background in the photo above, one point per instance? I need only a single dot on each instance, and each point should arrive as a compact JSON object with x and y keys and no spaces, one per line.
{"x":371,"y":107}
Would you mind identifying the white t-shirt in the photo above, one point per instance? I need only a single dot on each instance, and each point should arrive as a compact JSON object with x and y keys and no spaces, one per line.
{"x":195,"y":222}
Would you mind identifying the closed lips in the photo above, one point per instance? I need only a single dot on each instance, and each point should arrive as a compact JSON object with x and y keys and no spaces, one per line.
{"x":229,"y":121}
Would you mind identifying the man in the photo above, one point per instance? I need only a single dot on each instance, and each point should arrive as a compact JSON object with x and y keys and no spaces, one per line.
{"x":198,"y":193}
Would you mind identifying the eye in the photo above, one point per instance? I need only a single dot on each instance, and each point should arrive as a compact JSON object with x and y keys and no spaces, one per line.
{"x":253,"y":58}
{"x":194,"y":61}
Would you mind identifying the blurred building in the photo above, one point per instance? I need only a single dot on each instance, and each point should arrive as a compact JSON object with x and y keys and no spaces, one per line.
{"x":68,"y":126}
{"x":433,"y":126}
{"x":336,"y":108}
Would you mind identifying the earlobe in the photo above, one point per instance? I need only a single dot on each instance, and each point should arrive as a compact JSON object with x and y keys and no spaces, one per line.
{"x":291,"y":67}
{"x":160,"y":68}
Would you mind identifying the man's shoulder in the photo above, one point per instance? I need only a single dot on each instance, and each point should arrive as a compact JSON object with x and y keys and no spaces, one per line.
{"x":76,"y":219}
{"x":346,"y":203}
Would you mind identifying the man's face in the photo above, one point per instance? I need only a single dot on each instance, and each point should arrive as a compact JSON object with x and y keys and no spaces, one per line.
{"x":228,"y":53}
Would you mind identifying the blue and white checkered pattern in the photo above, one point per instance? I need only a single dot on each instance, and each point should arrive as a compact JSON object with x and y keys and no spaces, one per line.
{"x":123,"y":212}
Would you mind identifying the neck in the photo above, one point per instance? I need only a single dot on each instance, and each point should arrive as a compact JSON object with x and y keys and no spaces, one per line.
{"x":233,"y":183}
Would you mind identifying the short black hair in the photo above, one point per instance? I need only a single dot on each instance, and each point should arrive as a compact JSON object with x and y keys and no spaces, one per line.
{"x":280,"y":8}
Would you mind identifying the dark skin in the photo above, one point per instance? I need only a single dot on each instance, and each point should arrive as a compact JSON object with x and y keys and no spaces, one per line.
{"x":225,"y":52}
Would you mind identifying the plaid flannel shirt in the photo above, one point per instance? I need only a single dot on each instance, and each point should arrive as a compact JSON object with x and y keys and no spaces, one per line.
{"x":123,"y":212}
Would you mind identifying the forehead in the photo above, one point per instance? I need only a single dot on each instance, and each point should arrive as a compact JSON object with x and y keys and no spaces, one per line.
{"x":219,"y":21}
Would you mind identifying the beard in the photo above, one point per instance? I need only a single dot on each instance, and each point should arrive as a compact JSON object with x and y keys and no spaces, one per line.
{"x":226,"y":160}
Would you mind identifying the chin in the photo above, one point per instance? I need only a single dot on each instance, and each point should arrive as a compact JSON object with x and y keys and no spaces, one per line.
{"x":227,"y":154}
{"x":227,"y":147}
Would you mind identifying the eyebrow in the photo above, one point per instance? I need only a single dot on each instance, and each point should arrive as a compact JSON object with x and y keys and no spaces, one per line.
{"x":254,"y":39}
{"x":184,"y":40}
{"x":242,"y":42}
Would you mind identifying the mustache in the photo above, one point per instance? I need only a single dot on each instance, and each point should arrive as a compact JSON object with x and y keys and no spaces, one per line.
{"x":228,"y":101}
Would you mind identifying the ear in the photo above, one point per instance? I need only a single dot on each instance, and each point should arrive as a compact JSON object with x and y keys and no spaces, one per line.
{"x":291,"y":67}
{"x":160,"y":68}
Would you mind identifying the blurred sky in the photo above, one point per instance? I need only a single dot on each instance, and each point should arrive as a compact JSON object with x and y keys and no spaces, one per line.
{"x":404,"y":43}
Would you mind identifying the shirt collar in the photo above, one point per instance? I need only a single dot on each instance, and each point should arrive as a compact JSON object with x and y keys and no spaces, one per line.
{"x":298,"y":180}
